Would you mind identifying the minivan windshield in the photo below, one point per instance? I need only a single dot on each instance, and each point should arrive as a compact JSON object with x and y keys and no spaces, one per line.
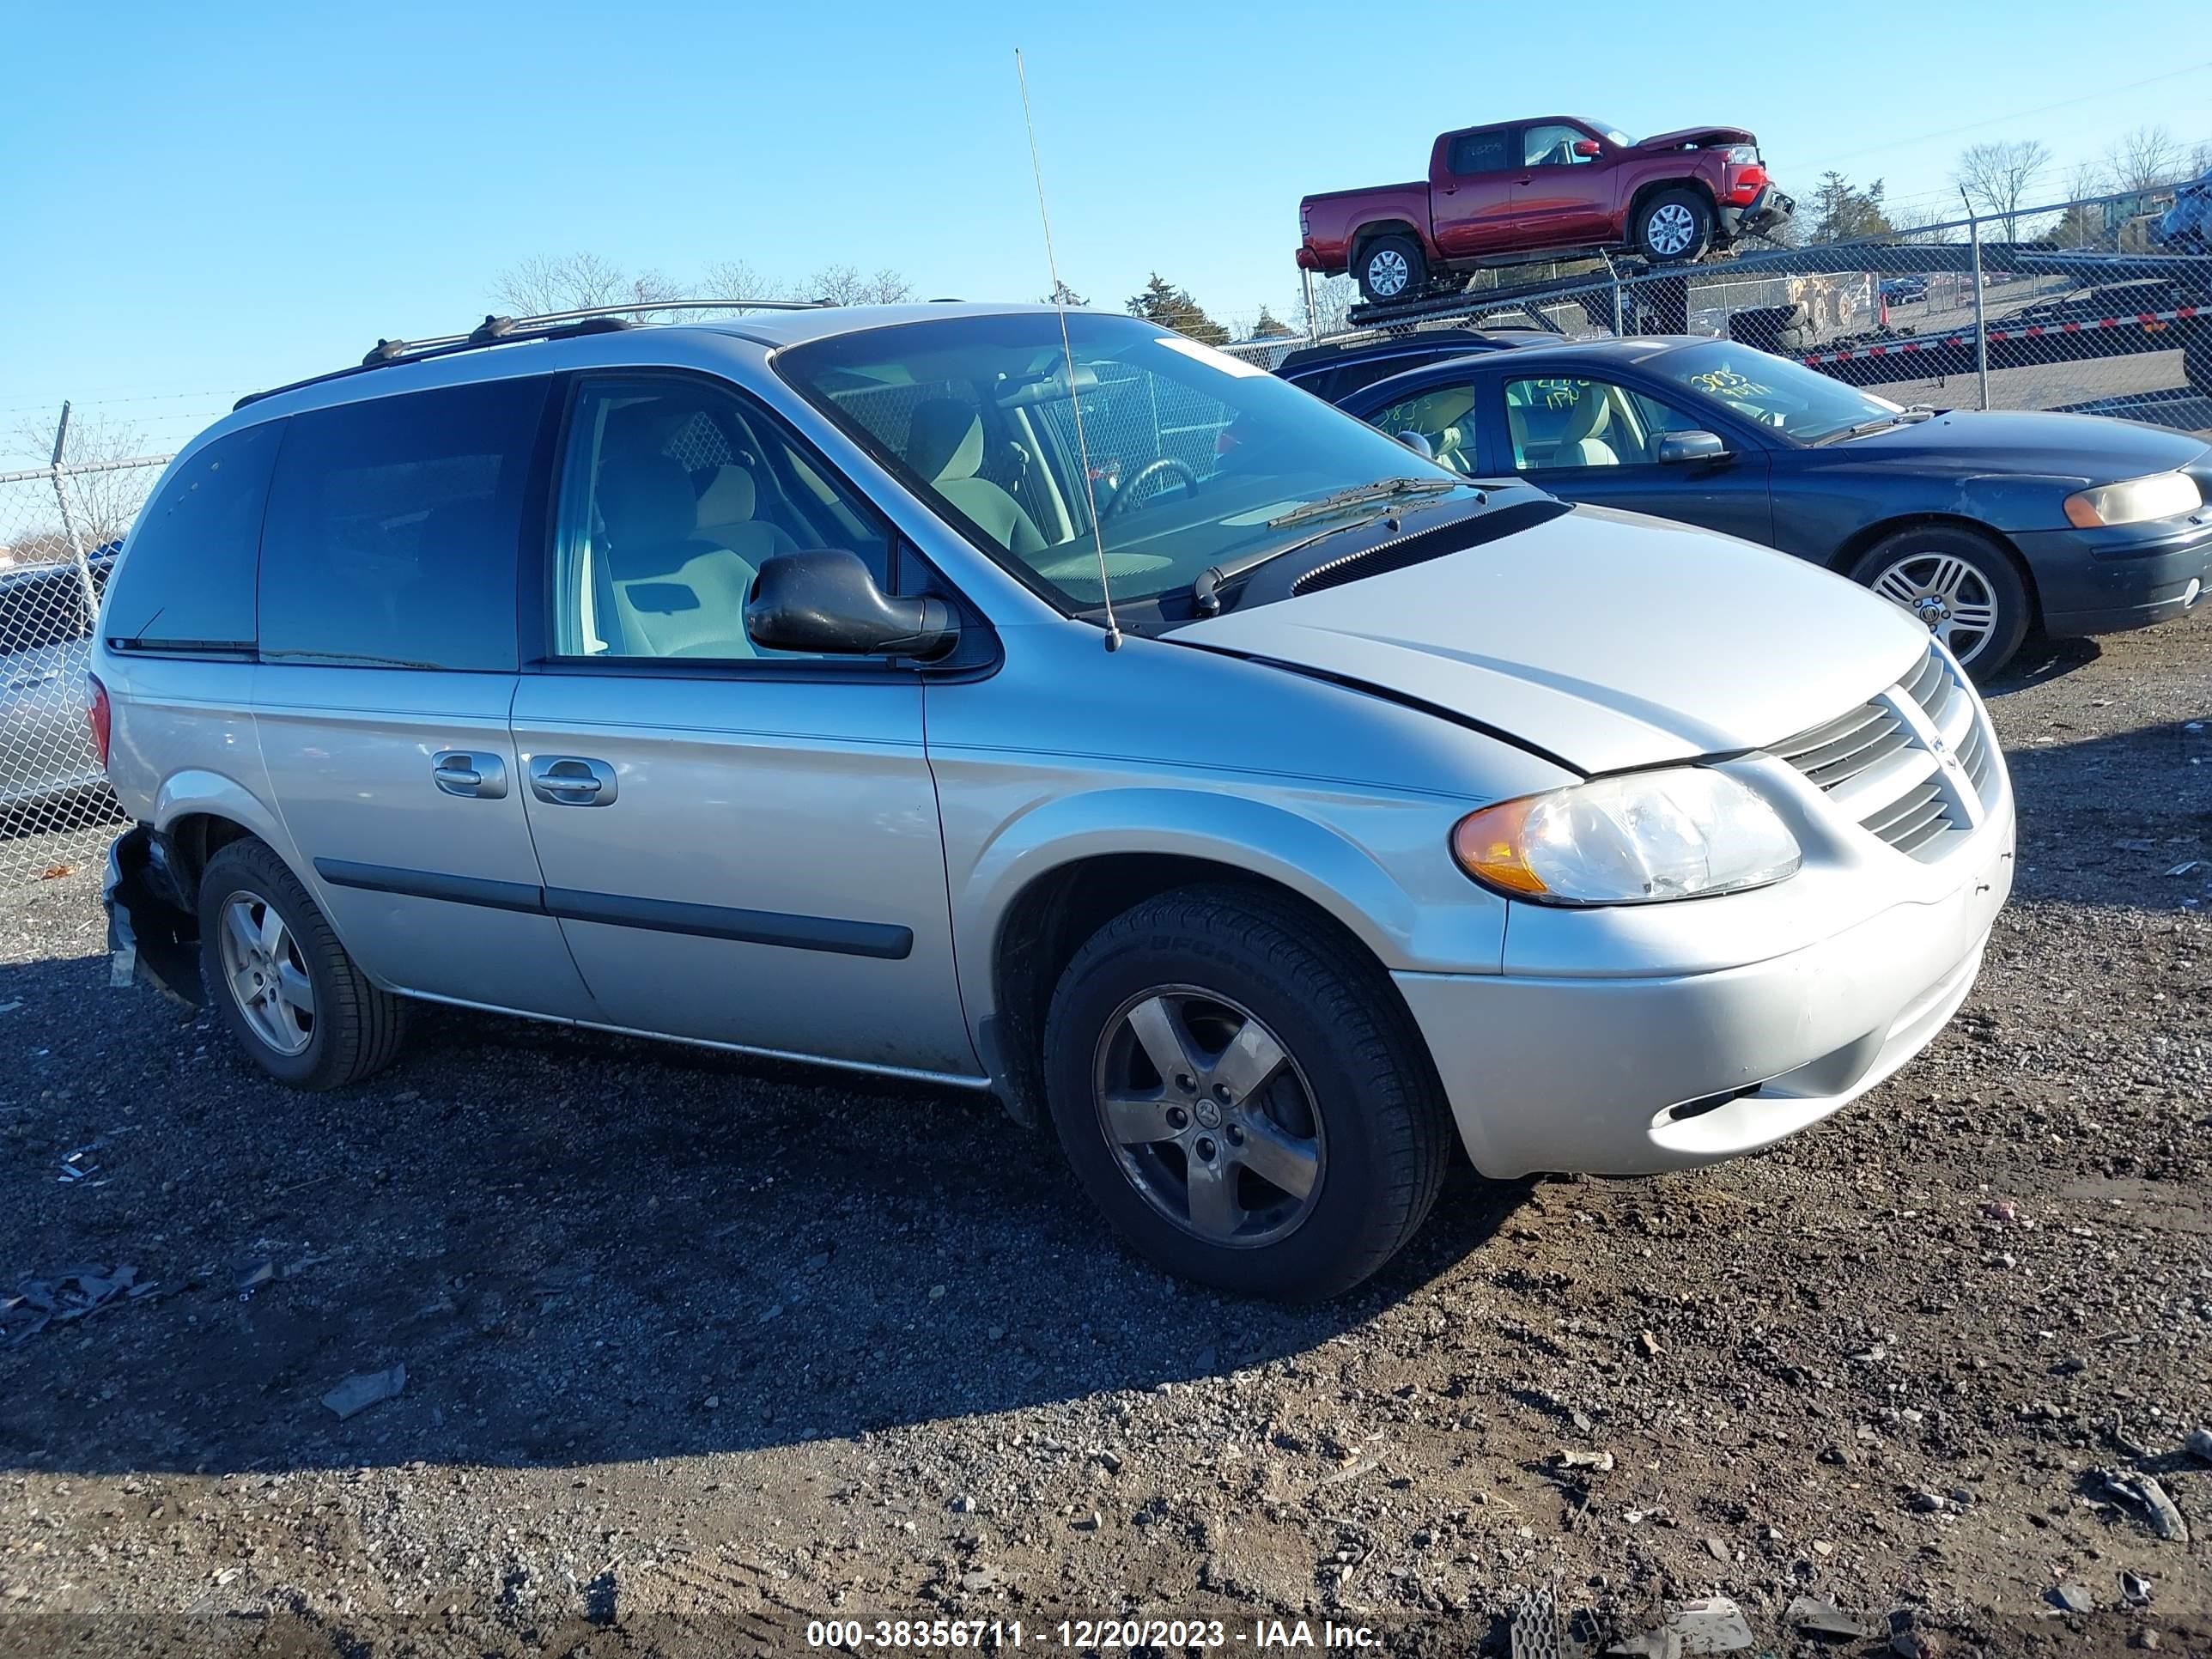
{"x":1195,"y":459}
{"x":1774,"y":393}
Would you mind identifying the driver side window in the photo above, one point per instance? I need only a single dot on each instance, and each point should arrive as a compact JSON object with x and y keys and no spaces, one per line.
{"x":1552,"y":146}
{"x":1574,"y":422}
{"x":674,"y":494}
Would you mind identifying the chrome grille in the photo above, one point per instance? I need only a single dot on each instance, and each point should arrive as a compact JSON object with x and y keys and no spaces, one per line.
{"x":1913,"y":766}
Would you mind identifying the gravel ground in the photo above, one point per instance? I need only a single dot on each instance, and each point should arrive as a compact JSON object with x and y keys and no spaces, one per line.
{"x":696,"y":1351}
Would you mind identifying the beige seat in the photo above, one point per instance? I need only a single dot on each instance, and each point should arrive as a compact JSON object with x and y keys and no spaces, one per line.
{"x":672,"y":593}
{"x":1580,"y":443}
{"x":726,"y":516}
{"x":945,"y":445}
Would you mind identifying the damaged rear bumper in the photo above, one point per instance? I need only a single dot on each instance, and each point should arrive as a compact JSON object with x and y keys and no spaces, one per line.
{"x":152,"y":933}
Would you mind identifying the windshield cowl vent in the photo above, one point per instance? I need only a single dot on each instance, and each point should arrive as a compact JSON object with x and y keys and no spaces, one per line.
{"x":1401,"y":551}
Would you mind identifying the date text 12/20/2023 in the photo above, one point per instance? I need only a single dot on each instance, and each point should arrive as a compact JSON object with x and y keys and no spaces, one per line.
{"x":1086,"y":1635}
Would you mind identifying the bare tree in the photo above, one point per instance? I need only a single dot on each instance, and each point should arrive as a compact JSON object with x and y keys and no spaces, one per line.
{"x":1925,"y":227}
{"x":2143,"y":159}
{"x":844,"y":285}
{"x":106,"y":502}
{"x":1333,"y":298}
{"x":735,"y":279}
{"x":1999,"y":175}
{"x":2200,"y":158}
{"x":575,"y":282}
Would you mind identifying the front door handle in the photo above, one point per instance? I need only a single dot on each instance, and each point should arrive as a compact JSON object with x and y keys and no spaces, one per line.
{"x":572,"y":781}
{"x":458,"y":772}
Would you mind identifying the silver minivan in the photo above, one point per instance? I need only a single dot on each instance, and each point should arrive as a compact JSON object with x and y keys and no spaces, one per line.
{"x":1060,"y":709}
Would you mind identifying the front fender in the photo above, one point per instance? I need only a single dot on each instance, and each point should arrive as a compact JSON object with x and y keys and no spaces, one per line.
{"x":1339,"y":852}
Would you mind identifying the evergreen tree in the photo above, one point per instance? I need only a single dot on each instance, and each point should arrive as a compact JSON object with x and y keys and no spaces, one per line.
{"x":1170,"y":307}
{"x":1842,"y":212}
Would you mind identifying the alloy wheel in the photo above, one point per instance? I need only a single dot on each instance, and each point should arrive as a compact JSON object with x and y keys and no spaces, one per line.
{"x":1947,"y":593}
{"x":267,"y":975}
{"x":1388,"y":273}
{"x":1210,"y":1118}
{"x":1671,"y":228}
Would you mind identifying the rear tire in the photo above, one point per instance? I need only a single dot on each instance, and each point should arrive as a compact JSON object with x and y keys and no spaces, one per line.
{"x":1218,"y":980}
{"x":295,"y":1001}
{"x":1675,"y":228}
{"x":1392,"y":271}
{"x":1958,"y":581}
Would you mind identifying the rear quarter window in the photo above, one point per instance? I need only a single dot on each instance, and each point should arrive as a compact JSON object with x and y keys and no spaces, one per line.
{"x":188,"y":582}
{"x":394,"y":530}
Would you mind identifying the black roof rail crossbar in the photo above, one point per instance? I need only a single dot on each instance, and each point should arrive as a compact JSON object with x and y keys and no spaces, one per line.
{"x":388,"y":352}
{"x":547,"y":325}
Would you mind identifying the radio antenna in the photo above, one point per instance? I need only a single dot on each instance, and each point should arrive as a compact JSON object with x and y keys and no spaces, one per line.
{"x":1067,"y":350}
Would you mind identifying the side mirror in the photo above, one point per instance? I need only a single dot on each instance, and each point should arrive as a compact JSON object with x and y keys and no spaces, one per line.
{"x":1419,"y":445}
{"x":825,"y":600}
{"x":1676,"y":448}
{"x":1589,"y":147}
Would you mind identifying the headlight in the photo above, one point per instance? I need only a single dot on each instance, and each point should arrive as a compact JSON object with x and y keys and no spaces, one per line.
{"x":2161,"y":495}
{"x":1635,"y":839}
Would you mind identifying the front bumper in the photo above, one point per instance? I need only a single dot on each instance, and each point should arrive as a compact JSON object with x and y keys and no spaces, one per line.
{"x":2105,"y":582}
{"x":1588,"y":1074}
{"x":1769,"y":209}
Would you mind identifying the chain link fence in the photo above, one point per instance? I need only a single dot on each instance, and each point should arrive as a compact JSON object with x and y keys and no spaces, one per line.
{"x":61,"y":527}
{"x":2101,"y":306}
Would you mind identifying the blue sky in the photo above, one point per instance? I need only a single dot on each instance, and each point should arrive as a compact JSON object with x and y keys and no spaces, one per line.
{"x":204,"y":199}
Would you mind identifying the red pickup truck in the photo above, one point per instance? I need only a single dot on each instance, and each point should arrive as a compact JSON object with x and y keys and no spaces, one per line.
{"x":1522,"y":189}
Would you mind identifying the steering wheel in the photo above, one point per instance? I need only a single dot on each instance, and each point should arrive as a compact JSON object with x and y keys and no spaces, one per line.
{"x":1150,"y":469}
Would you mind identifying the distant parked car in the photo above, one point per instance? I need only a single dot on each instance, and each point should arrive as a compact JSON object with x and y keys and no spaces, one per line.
{"x":1528,"y":189}
{"x":46,"y":640}
{"x":2186,"y":227}
{"x":1333,"y":372}
{"x":1905,"y":290}
{"x":1982,"y":526}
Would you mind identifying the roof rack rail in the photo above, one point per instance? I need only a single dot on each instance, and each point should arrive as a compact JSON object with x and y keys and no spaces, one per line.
{"x":516,"y":331}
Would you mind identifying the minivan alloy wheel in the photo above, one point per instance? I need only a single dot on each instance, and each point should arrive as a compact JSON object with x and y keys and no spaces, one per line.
{"x":267,"y":975}
{"x":1209,"y":1116}
{"x":1948,"y":594}
{"x":1671,"y":228}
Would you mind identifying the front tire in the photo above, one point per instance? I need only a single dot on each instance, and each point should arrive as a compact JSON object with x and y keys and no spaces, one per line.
{"x":1675,"y":228}
{"x":1244,"y":1095}
{"x":295,"y":1001}
{"x":1392,"y":271}
{"x":1959,"y":582}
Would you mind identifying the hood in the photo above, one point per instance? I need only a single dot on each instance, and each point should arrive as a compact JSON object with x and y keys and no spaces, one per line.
{"x":1686,"y":136}
{"x":1606,"y":639}
{"x":2018,"y":443}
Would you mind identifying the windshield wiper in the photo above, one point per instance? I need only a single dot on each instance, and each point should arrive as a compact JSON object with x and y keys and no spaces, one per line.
{"x":1205,"y":591}
{"x":1882,"y":422}
{"x":1344,"y":501}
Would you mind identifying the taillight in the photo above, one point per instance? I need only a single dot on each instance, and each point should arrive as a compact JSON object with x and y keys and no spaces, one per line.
{"x":100,"y":717}
{"x":1305,"y":222}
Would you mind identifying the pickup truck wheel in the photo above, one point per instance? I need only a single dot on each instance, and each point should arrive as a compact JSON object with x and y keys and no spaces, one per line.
{"x":1675,"y":226}
{"x":285,"y":987}
{"x":1243,"y":1096}
{"x":1392,"y":268}
{"x":1960,"y":583}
